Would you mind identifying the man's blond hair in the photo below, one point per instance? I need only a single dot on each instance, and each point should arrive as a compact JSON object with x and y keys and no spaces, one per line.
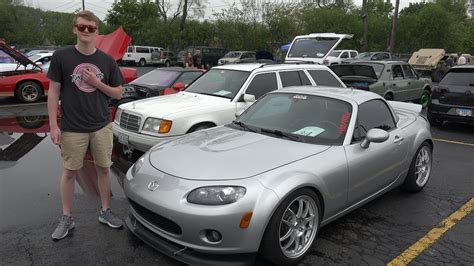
{"x":87,"y":15}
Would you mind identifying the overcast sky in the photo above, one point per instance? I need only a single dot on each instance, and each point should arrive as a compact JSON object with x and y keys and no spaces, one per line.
{"x":100,"y":7}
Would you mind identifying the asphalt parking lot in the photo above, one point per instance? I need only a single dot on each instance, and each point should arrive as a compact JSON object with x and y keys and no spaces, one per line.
{"x":428,"y":228}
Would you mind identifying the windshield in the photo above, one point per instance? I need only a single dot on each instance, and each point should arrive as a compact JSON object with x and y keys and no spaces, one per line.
{"x":5,"y":58}
{"x":459,"y":77}
{"x":378,"y":68}
{"x":158,"y":77}
{"x":219,"y":82}
{"x":335,"y":53}
{"x":363,"y":55}
{"x":232,"y":55}
{"x":306,"y":118}
{"x":316,"y":47}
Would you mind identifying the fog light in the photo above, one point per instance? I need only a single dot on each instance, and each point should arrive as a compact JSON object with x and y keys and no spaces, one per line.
{"x":213,"y":236}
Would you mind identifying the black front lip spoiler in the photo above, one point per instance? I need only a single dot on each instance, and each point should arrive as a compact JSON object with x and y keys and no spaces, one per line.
{"x":182,"y":254}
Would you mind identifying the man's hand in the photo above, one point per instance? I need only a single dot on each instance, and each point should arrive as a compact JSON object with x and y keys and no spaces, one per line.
{"x":90,"y":78}
{"x":55,"y":133}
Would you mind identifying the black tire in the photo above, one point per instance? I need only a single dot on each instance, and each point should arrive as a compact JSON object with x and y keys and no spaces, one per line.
{"x":28,"y":91}
{"x":270,"y":247}
{"x":31,"y":122}
{"x":434,"y":121}
{"x":388,"y":97}
{"x":422,"y":161}
{"x":142,"y":62}
{"x":167,"y":64}
{"x":425,"y":98}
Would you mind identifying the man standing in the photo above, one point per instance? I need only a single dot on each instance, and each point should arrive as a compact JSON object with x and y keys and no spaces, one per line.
{"x":462,"y":59}
{"x":85,"y":78}
{"x":197,"y":58}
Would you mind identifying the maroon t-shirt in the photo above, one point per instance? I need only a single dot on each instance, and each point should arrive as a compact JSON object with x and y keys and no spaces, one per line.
{"x":84,"y":108}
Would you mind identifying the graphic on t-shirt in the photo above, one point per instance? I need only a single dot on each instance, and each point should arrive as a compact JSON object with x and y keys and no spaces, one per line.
{"x":77,"y":76}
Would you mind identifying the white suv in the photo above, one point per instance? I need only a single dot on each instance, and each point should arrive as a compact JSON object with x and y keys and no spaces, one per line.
{"x":337,"y":56}
{"x":213,"y":99}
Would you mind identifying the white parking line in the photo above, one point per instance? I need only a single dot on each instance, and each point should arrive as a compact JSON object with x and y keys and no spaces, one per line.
{"x":455,"y":142}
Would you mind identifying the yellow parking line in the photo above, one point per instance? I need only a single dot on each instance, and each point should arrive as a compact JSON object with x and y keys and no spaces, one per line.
{"x":455,"y":142}
{"x":434,"y":234}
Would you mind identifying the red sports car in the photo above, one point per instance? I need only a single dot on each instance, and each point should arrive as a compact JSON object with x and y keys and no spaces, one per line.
{"x":28,"y":85}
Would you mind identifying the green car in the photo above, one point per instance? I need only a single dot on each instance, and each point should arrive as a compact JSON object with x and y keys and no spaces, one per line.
{"x":394,"y":80}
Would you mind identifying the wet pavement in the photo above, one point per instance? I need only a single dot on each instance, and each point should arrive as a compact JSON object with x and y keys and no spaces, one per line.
{"x":30,"y":167}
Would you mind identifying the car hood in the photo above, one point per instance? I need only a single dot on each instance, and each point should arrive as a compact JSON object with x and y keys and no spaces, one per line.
{"x":21,"y":58}
{"x":224,"y":153}
{"x":165,"y":105}
{"x":114,"y":44}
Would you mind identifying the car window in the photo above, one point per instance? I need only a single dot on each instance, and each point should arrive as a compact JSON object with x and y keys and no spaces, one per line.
{"x":373,"y":114}
{"x":304,"y":79}
{"x":397,"y":72}
{"x":459,"y":77}
{"x":324,"y":78}
{"x":158,"y":77}
{"x":409,"y":72}
{"x":142,"y":50}
{"x":188,"y":77}
{"x":380,"y":56}
{"x":345,"y":55}
{"x":262,"y":84}
{"x":290,"y":78}
{"x":316,"y":47}
{"x":130,"y":49}
{"x":219,"y":82}
{"x":353,"y":54}
{"x":308,"y":118}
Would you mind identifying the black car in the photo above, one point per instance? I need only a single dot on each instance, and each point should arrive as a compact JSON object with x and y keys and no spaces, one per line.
{"x":159,"y":82}
{"x":453,"y":98}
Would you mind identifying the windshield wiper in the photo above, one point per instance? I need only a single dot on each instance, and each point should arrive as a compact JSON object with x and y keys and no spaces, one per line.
{"x":244,"y":126}
{"x":282,"y":134}
{"x":211,"y":94}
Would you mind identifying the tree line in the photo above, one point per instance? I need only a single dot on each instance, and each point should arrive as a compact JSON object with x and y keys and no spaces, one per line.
{"x":254,"y":25}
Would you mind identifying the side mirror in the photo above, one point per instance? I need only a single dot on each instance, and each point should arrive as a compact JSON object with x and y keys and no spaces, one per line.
{"x":249,"y":98}
{"x":179,"y":86}
{"x":374,"y":135}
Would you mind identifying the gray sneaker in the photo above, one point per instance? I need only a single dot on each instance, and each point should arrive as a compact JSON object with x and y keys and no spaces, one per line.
{"x":66,"y":223}
{"x":107,"y":217}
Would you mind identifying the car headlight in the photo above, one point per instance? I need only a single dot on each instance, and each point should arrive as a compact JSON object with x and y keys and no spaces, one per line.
{"x":218,"y":195}
{"x":117,"y":116}
{"x":136,"y":167}
{"x":156,"y":125}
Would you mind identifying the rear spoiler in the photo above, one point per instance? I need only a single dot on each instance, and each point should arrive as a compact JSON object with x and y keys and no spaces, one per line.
{"x":411,"y":107}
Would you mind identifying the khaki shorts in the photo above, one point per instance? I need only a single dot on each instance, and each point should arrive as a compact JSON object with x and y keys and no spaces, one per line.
{"x":74,"y":147}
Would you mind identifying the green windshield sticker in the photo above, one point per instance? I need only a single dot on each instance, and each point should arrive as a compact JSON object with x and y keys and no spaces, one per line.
{"x":309,"y":131}
{"x":222,"y":93}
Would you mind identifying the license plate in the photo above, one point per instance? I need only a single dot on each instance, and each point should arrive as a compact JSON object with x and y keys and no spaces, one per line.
{"x":122,"y":138}
{"x":464,"y":112}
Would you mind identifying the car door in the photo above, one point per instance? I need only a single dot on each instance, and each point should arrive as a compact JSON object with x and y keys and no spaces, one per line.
{"x":399,"y":85}
{"x":376,"y":167}
{"x":415,"y":85}
{"x":258,"y":86}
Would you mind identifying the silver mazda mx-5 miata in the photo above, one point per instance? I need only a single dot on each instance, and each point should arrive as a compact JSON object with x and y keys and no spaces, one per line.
{"x":294,"y":161}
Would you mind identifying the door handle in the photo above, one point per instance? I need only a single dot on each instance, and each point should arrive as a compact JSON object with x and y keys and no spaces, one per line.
{"x":394,"y":85}
{"x":398,"y":139}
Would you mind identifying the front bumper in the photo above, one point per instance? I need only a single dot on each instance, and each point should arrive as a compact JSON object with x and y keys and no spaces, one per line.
{"x":448,"y":112}
{"x":138,"y":141}
{"x":182,"y":254}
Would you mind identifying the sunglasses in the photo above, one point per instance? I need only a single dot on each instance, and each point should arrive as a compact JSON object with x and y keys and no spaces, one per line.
{"x":82,"y":28}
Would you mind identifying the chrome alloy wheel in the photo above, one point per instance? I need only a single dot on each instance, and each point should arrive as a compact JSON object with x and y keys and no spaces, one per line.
{"x":29,"y":93}
{"x":298,"y":226}
{"x":423,"y":166}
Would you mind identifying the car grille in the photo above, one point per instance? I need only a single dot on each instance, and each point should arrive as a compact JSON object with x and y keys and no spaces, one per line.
{"x":130,"y":122}
{"x":156,"y":219}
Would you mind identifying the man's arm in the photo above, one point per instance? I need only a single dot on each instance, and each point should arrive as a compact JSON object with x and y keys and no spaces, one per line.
{"x":53,"y":103}
{"x":113,"y":92}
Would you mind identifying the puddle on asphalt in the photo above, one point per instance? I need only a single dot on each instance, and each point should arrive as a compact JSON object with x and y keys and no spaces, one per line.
{"x":30,"y":170}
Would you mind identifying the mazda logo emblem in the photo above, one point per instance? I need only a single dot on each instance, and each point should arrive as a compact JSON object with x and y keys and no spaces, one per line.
{"x":153,"y":185}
